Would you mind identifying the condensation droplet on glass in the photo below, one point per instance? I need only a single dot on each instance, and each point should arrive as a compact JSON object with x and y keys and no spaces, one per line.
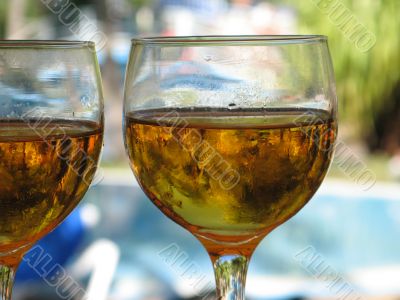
{"x":231,"y":105}
{"x":266,"y":102}
{"x":85,"y":100}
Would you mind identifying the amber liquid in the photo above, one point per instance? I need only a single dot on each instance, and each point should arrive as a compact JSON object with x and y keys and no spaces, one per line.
{"x":230,"y":177}
{"x":45,"y":170}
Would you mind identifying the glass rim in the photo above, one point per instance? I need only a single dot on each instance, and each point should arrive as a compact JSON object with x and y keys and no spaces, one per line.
{"x":63,"y":44}
{"x":229,"y":39}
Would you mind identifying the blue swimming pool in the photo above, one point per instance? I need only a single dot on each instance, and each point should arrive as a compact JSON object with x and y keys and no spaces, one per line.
{"x":346,"y":231}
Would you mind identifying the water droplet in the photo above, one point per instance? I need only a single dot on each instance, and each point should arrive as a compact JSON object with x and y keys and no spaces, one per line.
{"x":231,"y":105}
{"x":85,"y":100}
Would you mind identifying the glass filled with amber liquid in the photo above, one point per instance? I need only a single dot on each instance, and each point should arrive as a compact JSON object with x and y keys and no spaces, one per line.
{"x":230,"y":136}
{"x":51,"y":136}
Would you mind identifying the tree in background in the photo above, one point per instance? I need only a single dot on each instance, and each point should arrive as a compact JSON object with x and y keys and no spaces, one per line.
{"x":367,"y":82}
{"x":3,"y":14}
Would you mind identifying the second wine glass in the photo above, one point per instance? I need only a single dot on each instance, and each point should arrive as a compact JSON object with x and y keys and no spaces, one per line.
{"x":230,"y":136}
{"x":51,"y":136}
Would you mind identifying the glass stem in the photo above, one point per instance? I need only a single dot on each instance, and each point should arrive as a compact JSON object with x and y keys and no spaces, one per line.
{"x":7,"y":274}
{"x":230,"y":275}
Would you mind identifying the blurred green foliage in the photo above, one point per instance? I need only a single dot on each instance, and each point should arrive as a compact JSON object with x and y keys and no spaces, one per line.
{"x":365,"y":81}
{"x":139,"y":3}
{"x":3,"y":13}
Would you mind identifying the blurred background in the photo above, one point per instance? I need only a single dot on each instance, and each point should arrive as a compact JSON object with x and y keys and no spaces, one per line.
{"x":343,"y":245}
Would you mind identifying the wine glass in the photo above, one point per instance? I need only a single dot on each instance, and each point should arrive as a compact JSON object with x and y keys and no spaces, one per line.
{"x":51,"y":136}
{"x":230,"y":136}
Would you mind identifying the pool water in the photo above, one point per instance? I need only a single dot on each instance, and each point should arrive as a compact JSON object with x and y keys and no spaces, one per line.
{"x":341,"y":231}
